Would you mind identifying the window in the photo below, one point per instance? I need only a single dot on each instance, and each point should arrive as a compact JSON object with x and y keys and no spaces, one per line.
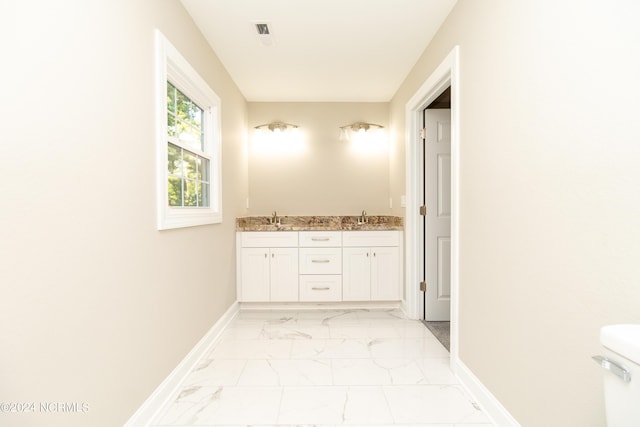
{"x":188,"y":143}
{"x":187,"y":163}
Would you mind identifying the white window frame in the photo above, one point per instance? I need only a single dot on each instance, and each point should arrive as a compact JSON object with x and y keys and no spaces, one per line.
{"x":172,"y":66}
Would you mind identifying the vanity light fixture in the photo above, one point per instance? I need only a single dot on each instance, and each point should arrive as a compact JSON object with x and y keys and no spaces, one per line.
{"x":364,"y":137}
{"x":360,"y":127}
{"x":276,"y":126}
{"x":277,"y":138}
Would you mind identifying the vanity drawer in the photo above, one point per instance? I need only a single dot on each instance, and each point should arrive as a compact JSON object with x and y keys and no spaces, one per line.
{"x":320,"y":260}
{"x":269,"y":239}
{"x":321,"y":288}
{"x":370,"y":238}
{"x":314,"y":239}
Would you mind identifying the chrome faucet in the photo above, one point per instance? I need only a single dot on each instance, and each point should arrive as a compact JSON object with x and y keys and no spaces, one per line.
{"x":274,"y":218}
{"x":363,"y":217}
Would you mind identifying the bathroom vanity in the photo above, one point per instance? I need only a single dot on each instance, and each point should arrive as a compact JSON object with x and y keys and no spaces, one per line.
{"x":319,"y":259}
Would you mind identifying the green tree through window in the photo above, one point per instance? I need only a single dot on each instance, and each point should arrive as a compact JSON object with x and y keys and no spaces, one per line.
{"x":187,"y":167}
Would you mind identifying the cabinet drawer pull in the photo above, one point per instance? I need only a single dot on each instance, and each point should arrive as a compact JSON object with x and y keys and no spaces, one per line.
{"x":320,"y":239}
{"x":320,"y":289}
{"x":320,"y":261}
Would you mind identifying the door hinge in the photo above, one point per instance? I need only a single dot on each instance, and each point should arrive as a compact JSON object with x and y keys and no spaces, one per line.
{"x":423,"y":286}
{"x":423,"y":210}
{"x":423,"y":133}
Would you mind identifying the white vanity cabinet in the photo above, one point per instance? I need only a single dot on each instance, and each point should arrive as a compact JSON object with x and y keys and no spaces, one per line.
{"x":371,"y":266}
{"x":268,"y":266}
{"x":320,"y":266}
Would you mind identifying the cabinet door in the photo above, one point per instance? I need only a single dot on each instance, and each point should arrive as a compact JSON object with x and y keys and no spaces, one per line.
{"x":385,"y":273}
{"x":255,"y":275}
{"x":284,"y":274}
{"x":356,"y":274}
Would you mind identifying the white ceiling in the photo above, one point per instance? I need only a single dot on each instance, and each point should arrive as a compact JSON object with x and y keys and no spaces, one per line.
{"x":322,"y":50}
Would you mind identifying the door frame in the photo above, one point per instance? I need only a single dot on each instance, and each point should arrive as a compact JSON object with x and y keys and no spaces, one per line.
{"x":446,"y":74}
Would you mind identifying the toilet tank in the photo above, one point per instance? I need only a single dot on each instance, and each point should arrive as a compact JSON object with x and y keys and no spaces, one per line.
{"x":621,"y":362}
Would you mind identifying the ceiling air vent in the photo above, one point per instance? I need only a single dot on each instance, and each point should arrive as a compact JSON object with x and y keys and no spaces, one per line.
{"x":263,"y":29}
{"x":264,"y":34}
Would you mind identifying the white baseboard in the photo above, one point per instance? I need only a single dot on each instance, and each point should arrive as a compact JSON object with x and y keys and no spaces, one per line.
{"x":483,"y":397}
{"x":170,"y":387}
{"x":405,"y":309}
{"x":364,"y":305}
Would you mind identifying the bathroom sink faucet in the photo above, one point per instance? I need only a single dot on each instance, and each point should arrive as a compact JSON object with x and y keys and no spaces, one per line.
{"x":274,"y":218}
{"x":363,"y":217}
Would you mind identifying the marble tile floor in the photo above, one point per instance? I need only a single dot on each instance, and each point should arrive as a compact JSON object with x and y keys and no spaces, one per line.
{"x":324,"y":368}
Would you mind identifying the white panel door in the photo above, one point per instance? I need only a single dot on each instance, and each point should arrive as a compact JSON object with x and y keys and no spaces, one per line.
{"x":385,"y":273}
{"x":284,"y":274}
{"x":255,"y":275}
{"x":356,"y":274}
{"x":438,"y":220}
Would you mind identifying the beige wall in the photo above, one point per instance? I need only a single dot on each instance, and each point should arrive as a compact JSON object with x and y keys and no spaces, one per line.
{"x":327,"y":177}
{"x":98,"y":306}
{"x":550,"y":194}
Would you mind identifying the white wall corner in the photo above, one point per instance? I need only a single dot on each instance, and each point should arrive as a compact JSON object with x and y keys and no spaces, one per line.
{"x":169,"y":389}
{"x":483,"y":397}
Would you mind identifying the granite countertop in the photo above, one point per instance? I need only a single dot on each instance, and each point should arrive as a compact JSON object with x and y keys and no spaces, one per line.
{"x":315,"y":223}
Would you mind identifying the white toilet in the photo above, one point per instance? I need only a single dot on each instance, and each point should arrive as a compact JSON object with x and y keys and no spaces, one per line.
{"x":621,"y":360}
